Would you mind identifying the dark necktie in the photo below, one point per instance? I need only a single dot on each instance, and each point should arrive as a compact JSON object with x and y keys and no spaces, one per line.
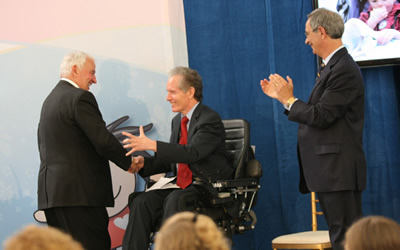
{"x":320,"y":70}
{"x":317,"y":81}
{"x":184,"y":178}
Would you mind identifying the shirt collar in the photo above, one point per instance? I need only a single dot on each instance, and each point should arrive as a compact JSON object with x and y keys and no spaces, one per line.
{"x":190,"y":113}
{"x":71,"y":82}
{"x":326,"y":60}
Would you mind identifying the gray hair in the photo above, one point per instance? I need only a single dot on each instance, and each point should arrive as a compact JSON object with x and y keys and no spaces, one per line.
{"x":77,"y":58}
{"x":190,"y":78}
{"x":331,"y":21}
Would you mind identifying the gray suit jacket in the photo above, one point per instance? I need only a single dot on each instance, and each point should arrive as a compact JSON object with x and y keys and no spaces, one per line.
{"x":75,"y":147}
{"x":330,"y":148}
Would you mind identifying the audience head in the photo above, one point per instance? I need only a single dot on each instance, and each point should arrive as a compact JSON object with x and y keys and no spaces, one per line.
{"x":373,"y":233}
{"x":80,"y":68}
{"x":190,"y":231}
{"x":190,"y":78}
{"x":331,"y":21}
{"x":41,"y":238}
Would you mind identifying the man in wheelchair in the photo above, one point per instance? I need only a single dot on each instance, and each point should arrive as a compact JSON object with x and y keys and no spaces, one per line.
{"x":203,"y":155}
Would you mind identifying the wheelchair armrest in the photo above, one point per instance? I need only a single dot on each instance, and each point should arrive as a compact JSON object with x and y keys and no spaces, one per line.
{"x":205,"y":188}
{"x":214,"y":197}
{"x":236,"y":183}
{"x":253,"y":173}
{"x":221,"y":191}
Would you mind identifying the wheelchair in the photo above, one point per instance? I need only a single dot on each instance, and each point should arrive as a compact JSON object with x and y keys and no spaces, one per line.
{"x":228,"y":202}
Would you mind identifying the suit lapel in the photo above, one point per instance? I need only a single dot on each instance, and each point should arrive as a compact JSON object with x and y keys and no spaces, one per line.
{"x":318,"y":82}
{"x":194,"y":120}
{"x":176,"y":124}
{"x":325,"y":72}
{"x":176,"y":128}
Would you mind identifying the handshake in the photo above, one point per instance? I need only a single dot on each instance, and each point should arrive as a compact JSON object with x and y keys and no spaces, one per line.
{"x":137,"y":164}
{"x":135,"y":144}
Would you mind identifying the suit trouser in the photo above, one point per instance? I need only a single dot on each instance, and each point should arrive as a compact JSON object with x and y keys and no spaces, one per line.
{"x":147,"y":211}
{"x":340,"y":210}
{"x":88,"y":225}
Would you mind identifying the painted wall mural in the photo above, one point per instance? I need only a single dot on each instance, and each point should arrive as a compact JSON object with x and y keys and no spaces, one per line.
{"x":135,"y":43}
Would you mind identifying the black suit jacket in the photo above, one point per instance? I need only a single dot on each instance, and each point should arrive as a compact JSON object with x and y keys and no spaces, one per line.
{"x":205,"y":152}
{"x":75,"y":148}
{"x":330,"y":148}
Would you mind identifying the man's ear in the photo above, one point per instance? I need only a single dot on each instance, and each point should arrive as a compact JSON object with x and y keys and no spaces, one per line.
{"x":74,"y":70}
{"x":322,"y":31}
{"x":191,"y":91}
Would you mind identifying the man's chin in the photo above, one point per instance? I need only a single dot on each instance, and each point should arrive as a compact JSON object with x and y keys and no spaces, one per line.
{"x":313,"y":51}
{"x":174,"y":109}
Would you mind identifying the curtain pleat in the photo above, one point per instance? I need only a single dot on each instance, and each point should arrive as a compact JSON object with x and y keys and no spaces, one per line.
{"x":234,"y":44}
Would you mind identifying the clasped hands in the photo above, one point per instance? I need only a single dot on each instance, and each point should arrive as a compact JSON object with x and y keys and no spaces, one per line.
{"x":138,"y":143}
{"x":277,"y":87}
{"x":137,"y":164}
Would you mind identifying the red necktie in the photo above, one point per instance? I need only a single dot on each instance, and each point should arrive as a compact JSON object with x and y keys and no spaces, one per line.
{"x":184,"y":173}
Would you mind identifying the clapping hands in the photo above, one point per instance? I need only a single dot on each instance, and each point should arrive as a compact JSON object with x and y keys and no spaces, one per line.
{"x":278,"y":87}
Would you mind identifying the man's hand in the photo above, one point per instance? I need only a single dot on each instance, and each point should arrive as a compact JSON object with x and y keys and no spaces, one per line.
{"x":278,"y":88}
{"x":137,"y":164}
{"x":268,"y":89}
{"x":139,"y":143}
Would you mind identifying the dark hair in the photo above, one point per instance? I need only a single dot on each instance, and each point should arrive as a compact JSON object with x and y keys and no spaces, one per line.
{"x":190,"y":78}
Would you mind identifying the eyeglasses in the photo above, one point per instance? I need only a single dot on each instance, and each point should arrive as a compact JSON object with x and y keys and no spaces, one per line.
{"x":314,"y":30}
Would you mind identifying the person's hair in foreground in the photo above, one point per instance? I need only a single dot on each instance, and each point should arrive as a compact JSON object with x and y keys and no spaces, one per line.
{"x":41,"y":238}
{"x":190,"y":231}
{"x":373,"y":233}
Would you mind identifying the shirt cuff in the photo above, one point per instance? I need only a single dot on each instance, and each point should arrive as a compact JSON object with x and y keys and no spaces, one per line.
{"x":288,"y":107}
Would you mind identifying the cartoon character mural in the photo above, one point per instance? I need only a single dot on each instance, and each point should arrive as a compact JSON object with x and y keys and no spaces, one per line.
{"x":124,"y":184}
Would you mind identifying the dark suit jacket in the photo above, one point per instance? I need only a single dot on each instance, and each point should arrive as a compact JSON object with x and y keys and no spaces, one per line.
{"x":205,"y":152}
{"x":331,"y":123}
{"x":75,"y":148}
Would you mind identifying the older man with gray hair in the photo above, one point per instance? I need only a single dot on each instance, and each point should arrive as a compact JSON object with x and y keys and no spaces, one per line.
{"x":74,"y":186}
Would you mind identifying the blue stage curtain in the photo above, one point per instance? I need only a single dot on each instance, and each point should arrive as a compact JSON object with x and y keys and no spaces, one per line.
{"x":236,"y":43}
